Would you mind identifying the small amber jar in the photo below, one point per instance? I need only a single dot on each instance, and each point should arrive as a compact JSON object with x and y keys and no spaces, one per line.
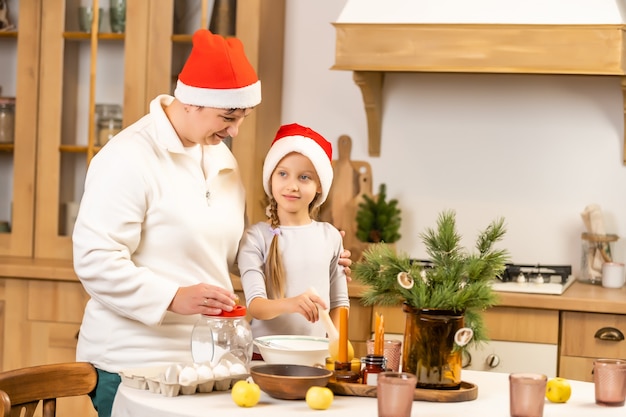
{"x":373,"y":365}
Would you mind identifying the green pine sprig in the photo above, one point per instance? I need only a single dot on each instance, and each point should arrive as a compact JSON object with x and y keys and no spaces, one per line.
{"x":456,"y":279}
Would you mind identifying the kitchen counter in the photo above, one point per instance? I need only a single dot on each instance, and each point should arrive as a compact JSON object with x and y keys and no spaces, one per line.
{"x":579,"y":297}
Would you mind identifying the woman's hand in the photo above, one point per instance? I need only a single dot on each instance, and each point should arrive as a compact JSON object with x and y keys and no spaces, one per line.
{"x":344,"y":259}
{"x":205,"y":299}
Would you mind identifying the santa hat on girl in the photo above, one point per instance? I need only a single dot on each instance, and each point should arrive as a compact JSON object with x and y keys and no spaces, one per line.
{"x":218,"y":74}
{"x":296,"y":138}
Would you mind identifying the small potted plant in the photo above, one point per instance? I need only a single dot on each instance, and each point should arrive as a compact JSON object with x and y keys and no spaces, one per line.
{"x":378,"y":219}
{"x":443,"y":298}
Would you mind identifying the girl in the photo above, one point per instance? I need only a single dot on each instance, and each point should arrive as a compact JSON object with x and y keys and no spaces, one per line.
{"x":288,"y":264}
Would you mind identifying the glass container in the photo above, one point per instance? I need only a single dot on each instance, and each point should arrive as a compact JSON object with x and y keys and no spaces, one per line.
{"x":374,"y":364}
{"x":213,"y":336}
{"x":595,"y":251}
{"x":108,"y":122}
{"x":429,"y":348}
{"x":7,"y":119}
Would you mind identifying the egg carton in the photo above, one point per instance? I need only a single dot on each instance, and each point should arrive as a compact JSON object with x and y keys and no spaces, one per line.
{"x":158,"y":386}
{"x":173,"y":380}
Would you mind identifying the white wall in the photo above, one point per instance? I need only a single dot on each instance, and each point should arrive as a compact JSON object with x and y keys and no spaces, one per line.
{"x":534,"y":149}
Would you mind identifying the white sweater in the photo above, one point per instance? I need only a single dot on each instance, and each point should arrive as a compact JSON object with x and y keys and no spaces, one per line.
{"x":310,"y":256}
{"x":144,"y":229}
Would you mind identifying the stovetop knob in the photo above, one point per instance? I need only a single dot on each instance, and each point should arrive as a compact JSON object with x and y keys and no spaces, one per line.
{"x":493,"y":360}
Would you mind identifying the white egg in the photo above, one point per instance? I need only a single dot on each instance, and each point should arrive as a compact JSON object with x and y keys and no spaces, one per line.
{"x":171,"y":373}
{"x":220,"y":371}
{"x":188,"y":376}
{"x":238,"y":369}
{"x":204,"y":372}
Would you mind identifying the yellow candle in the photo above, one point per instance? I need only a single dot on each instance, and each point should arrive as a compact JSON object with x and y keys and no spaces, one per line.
{"x":379,"y":335}
{"x":342,"y":354}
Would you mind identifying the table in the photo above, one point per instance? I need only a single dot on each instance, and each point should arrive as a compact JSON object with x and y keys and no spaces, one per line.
{"x":493,"y":400}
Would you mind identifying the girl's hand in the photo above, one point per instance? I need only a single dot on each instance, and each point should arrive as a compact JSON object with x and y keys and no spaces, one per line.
{"x":205,"y":299}
{"x":306,"y":304}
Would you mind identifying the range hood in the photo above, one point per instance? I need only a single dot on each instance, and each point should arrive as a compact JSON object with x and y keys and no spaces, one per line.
{"x":483,"y":36}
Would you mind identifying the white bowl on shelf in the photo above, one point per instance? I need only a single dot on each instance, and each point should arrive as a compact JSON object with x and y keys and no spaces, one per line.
{"x":293,"y":349}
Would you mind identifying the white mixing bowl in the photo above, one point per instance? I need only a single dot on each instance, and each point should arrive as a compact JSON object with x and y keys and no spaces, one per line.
{"x":292,"y":349}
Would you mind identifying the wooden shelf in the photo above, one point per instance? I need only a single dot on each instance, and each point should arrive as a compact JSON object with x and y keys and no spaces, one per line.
{"x":84,"y":36}
{"x":78,"y":149}
{"x":371,"y":50}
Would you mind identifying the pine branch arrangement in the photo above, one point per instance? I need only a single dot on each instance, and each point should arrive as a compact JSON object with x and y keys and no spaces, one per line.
{"x":454,"y":280}
{"x":378,"y":220}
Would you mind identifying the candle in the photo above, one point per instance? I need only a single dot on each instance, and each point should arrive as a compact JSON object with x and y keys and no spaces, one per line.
{"x":379,"y":335}
{"x":342,"y":354}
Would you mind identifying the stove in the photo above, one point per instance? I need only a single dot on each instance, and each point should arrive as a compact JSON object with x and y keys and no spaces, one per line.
{"x":535,"y":279}
{"x":532,"y":279}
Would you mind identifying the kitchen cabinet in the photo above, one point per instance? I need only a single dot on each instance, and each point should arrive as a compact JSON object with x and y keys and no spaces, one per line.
{"x":505,"y":48}
{"x":19,"y":77}
{"x":59,"y":75}
{"x":555,"y":334}
{"x":521,"y":339}
{"x":39,"y":323}
{"x":587,"y":336}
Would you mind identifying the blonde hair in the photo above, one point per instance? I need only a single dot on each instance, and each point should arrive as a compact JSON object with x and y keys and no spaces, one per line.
{"x":274,"y":270}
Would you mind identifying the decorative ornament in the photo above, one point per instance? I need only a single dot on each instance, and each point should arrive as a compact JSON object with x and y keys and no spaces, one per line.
{"x":463,"y":336}
{"x":405,"y":280}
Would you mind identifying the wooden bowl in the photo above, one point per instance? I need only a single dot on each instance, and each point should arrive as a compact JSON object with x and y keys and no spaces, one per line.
{"x":289,"y":382}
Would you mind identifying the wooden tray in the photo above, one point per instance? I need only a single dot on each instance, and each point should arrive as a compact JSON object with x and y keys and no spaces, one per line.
{"x":467,"y":392}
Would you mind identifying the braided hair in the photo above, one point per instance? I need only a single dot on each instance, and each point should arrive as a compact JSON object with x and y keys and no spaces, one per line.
{"x":274,"y":270}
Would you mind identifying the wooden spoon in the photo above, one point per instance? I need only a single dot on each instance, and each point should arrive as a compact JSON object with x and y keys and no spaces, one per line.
{"x":333,"y":334}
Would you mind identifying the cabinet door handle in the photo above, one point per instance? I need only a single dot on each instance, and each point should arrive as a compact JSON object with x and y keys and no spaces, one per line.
{"x":610,"y":334}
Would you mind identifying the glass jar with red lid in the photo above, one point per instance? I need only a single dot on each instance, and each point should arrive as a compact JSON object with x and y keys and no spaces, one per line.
{"x":229,"y":332}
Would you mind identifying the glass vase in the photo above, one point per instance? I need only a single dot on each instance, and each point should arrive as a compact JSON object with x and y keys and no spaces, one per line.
{"x":429,"y":350}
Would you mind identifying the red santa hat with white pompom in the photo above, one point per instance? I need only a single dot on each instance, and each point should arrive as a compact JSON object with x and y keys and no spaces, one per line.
{"x":218,"y":74}
{"x":295,"y":138}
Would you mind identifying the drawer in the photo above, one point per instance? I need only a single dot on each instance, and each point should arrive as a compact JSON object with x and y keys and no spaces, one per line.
{"x":529,"y":325}
{"x":576,"y":368}
{"x":578,"y":335}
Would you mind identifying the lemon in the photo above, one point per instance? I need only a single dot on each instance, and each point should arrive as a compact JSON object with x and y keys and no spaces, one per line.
{"x":245,"y":393}
{"x":558,"y":390}
{"x":333,"y":350}
{"x":319,"y":398}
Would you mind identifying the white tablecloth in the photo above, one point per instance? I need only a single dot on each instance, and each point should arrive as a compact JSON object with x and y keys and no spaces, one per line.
{"x":493,"y":400}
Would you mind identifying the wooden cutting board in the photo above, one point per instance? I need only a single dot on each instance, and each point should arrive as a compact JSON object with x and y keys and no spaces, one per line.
{"x":351,"y":180}
{"x":364,"y":188}
{"x":467,"y":392}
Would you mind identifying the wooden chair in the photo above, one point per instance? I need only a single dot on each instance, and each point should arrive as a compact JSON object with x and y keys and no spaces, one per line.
{"x":24,"y":388}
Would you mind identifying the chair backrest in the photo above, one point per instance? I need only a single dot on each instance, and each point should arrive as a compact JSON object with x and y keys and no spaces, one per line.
{"x":5,"y":404}
{"x":26,"y":387}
